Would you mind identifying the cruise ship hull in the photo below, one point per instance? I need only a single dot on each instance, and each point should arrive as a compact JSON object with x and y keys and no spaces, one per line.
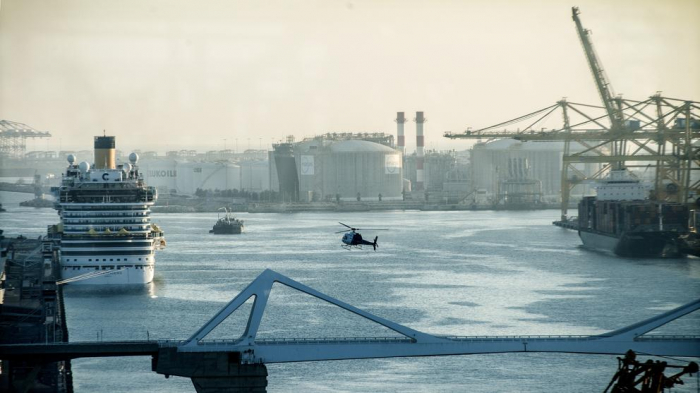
{"x":108,"y":259}
{"x":636,"y":244}
{"x":117,"y":276}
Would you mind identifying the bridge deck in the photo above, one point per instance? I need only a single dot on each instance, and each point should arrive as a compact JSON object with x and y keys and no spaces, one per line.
{"x":327,"y":348}
{"x":78,"y":350}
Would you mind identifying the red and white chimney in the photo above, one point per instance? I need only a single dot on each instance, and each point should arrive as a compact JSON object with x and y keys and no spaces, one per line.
{"x":400,"y":140}
{"x":420,"y":142}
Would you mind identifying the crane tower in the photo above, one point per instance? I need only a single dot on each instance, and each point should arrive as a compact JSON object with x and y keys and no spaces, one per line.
{"x":658,"y":132}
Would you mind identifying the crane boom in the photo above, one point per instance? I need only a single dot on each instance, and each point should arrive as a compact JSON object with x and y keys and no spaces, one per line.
{"x":601,"y":80}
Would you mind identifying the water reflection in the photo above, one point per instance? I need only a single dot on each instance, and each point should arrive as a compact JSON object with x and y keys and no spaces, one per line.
{"x":107,"y":291}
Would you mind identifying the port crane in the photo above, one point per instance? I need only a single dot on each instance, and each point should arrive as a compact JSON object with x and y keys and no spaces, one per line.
{"x":14,"y":135}
{"x":658,"y":132}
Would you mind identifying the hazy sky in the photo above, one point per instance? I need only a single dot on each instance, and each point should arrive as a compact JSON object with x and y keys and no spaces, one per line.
{"x":168,"y":75}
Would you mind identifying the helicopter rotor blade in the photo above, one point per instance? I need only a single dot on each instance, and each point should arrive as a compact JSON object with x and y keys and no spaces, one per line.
{"x":347,"y":230}
{"x":345,"y":225}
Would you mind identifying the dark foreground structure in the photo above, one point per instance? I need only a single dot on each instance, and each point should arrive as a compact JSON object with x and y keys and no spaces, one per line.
{"x":32,"y":312}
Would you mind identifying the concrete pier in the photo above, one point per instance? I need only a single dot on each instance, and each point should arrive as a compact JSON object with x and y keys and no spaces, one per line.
{"x":212,"y":372}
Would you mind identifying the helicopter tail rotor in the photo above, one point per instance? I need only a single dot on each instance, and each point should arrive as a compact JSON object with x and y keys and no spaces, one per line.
{"x":375,"y":245}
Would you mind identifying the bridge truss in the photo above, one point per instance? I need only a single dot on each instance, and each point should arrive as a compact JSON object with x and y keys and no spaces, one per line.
{"x":13,"y":138}
{"x":416,"y":343}
{"x":659,"y":134}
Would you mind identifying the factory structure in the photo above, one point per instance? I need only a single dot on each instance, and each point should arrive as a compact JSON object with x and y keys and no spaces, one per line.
{"x":505,"y":172}
{"x":369,"y":167}
{"x":514,"y":172}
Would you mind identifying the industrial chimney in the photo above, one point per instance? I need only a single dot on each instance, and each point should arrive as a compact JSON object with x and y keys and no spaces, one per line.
{"x":420,"y":142}
{"x":105,"y":153}
{"x":401,"y":141}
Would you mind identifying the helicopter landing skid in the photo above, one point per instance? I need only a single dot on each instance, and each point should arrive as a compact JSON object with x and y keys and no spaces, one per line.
{"x":348,"y":247}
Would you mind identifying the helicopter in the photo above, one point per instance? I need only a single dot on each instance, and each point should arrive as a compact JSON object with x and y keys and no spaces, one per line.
{"x":352,"y":238}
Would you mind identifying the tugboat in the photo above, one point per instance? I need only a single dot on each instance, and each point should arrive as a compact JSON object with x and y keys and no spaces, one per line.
{"x":227,"y":225}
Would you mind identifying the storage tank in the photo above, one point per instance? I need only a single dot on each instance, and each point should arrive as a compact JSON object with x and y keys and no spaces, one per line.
{"x":493,"y":163}
{"x":310,"y":157}
{"x":209,"y":176}
{"x":161,"y":174}
{"x":255,"y":175}
{"x":366,"y":168}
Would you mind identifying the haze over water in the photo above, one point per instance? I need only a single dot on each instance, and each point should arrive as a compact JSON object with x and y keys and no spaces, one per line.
{"x":180,"y":74}
{"x":455,"y":273}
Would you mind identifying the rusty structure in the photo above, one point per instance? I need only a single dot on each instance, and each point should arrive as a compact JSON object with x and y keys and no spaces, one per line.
{"x":658,"y":133}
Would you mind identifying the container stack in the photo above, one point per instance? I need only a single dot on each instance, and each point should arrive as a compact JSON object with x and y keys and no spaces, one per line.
{"x":586,"y":213}
{"x":616,"y":217}
{"x":675,"y":217}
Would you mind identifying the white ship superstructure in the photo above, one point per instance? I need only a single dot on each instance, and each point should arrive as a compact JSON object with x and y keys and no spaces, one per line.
{"x":106,"y":235}
{"x":621,"y":186}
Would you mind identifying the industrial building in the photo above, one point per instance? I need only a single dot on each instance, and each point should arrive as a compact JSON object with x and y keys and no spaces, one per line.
{"x":507,"y":166}
{"x":335,"y":167}
{"x":490,"y":165}
{"x":185,"y":177}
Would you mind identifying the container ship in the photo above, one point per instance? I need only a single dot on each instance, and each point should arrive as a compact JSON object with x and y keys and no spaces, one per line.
{"x":105,"y":235}
{"x":621,"y":220}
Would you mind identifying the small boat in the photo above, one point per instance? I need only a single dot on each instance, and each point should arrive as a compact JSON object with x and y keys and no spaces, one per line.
{"x":227,"y":225}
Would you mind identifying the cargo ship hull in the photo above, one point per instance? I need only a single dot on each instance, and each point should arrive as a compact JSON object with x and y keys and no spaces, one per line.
{"x":635,"y":245}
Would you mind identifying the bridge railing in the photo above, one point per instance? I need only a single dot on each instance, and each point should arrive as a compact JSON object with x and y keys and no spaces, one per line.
{"x":333,"y":340}
{"x":652,"y":337}
{"x":350,"y":340}
{"x":520,"y":338}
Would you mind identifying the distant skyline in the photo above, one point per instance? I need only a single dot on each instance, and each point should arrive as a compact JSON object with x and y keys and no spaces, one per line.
{"x":171,"y":75}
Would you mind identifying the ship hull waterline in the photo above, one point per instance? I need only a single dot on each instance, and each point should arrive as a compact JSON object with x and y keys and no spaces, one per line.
{"x":123,"y":276}
{"x":633,"y":245}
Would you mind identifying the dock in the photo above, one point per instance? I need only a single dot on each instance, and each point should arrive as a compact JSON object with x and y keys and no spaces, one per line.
{"x":31,"y":312}
{"x":571,"y":223}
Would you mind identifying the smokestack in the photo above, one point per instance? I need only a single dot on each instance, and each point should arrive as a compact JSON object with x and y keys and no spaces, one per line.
{"x":105,"y":153}
{"x":420,"y":142}
{"x":400,"y":140}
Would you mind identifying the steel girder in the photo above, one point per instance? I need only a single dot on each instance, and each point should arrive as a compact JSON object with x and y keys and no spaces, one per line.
{"x":662,"y":131}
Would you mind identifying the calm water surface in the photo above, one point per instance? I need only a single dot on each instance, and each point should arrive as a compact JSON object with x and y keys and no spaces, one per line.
{"x":457,"y":273}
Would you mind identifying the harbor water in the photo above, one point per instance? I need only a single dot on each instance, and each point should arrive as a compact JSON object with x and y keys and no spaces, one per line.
{"x":461,"y":273}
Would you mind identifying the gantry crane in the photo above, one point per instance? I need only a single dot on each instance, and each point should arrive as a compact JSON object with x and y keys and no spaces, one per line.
{"x":662,"y":131}
{"x":13,"y":138}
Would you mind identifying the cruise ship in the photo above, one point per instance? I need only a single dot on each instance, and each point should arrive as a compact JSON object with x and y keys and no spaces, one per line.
{"x":105,"y":235}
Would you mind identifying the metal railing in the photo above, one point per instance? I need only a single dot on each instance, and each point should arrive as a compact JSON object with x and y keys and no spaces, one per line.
{"x":170,"y":343}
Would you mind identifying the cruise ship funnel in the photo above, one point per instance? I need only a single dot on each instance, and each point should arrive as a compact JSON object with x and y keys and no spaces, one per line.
{"x":105,"y":153}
